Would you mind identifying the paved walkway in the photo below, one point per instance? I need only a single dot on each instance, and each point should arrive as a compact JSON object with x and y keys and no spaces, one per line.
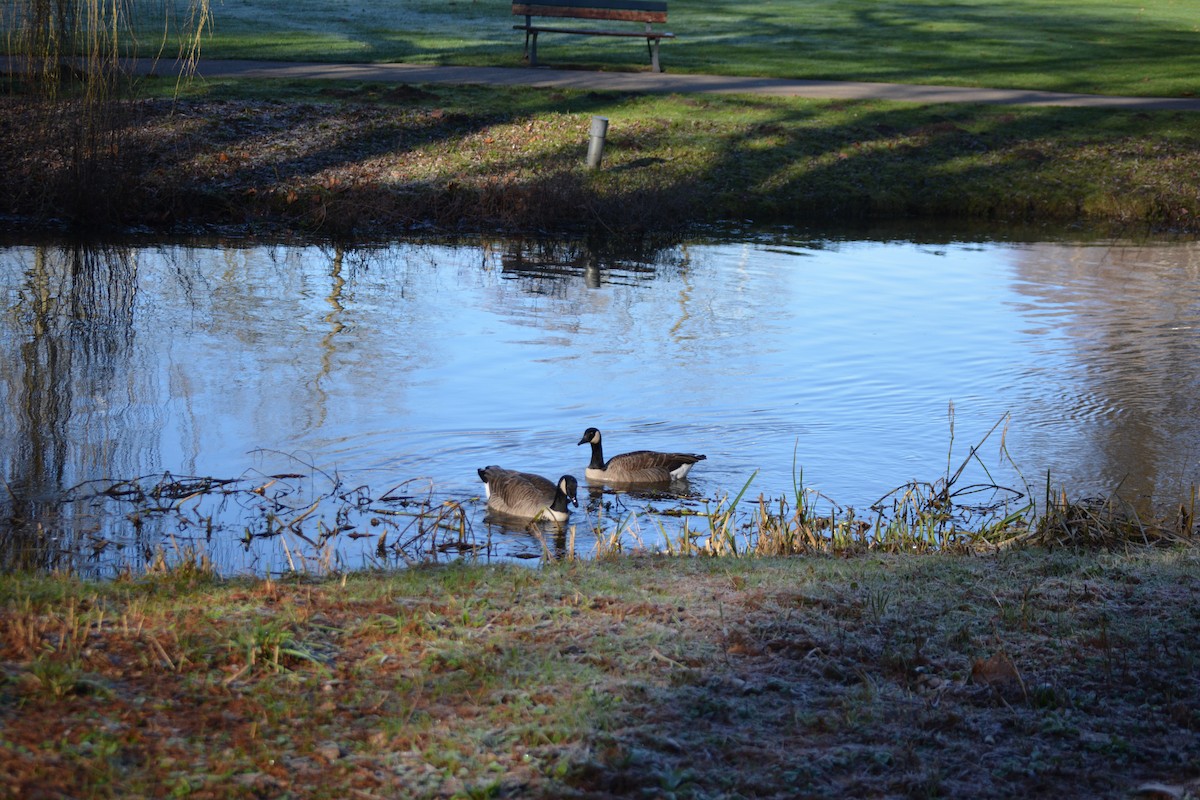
{"x":669,"y":82}
{"x":663,"y":82}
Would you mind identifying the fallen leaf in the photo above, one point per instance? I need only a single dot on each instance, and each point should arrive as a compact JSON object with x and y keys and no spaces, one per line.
{"x":998,"y":671}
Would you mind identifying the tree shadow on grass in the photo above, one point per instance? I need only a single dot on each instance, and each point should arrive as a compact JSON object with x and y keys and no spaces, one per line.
{"x":379,"y":158}
{"x":877,"y":682}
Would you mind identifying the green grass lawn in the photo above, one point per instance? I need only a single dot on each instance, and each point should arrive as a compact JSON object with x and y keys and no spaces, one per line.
{"x":1095,"y":46}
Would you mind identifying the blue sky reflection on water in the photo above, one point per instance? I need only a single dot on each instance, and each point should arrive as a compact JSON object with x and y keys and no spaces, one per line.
{"x":431,"y":360}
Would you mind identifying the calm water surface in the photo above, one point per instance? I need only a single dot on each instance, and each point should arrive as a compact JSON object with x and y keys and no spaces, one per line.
{"x":365,"y":369}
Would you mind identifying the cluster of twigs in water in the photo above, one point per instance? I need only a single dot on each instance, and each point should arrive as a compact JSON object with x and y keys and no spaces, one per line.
{"x":305,"y":514}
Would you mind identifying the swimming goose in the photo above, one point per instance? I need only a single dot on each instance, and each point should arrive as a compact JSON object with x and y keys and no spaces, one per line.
{"x":639,"y":466}
{"x":522,"y":494}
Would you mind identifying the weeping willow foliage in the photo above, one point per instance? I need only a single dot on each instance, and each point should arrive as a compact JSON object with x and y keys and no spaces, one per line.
{"x":70,"y":74}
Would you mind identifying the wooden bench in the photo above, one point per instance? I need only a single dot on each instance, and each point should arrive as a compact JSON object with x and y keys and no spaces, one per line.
{"x":646,"y":11}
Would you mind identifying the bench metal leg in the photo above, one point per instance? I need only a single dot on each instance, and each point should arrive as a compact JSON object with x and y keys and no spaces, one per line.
{"x":652,"y":44}
{"x":530,"y":52}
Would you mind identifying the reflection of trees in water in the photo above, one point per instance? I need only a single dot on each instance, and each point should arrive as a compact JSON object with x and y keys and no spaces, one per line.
{"x":541,"y":264}
{"x":73,"y":331}
{"x":1129,"y":316}
{"x":569,"y":271}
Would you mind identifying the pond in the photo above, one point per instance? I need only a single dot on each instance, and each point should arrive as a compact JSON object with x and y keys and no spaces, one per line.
{"x":312,"y":407}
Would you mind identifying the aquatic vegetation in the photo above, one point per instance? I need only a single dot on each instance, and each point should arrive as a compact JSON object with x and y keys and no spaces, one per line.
{"x":190,"y":529}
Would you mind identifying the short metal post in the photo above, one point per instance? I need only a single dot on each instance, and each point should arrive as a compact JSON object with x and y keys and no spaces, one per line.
{"x":596,"y":143}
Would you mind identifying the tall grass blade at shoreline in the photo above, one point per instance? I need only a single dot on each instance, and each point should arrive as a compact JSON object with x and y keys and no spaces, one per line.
{"x":723,"y":539}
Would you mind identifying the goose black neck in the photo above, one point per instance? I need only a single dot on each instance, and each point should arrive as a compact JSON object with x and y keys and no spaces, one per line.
{"x":597,"y":456}
{"x":559,"y":504}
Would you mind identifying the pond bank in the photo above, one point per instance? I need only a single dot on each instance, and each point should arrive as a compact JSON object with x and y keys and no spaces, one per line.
{"x":1029,"y":673}
{"x":354,"y":159}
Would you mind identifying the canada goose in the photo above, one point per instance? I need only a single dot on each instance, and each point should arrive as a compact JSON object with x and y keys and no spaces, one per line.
{"x":522,"y":494}
{"x":640,"y":466}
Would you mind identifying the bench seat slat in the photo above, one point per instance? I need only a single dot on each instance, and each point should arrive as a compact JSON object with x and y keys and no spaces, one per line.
{"x":586,"y":32}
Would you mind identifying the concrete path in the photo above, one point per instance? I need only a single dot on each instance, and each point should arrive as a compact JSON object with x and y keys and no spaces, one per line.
{"x":665,"y":83}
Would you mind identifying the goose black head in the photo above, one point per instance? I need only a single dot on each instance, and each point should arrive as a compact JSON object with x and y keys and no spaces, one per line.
{"x":570,"y":487}
{"x":590,"y":436}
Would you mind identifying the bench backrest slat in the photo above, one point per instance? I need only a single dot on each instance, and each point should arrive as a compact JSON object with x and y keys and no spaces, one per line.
{"x":621,"y":5}
{"x":631,"y":10}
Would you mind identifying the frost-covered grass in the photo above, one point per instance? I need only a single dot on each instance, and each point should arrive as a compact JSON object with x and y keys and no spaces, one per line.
{"x":1100,"y":46}
{"x":1023,"y":674}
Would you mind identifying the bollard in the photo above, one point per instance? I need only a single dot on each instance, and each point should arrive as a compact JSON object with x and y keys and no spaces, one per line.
{"x":596,"y":144}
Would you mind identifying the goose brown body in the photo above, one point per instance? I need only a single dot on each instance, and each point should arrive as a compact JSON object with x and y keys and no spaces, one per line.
{"x":528,"y":496}
{"x":638,"y":466}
